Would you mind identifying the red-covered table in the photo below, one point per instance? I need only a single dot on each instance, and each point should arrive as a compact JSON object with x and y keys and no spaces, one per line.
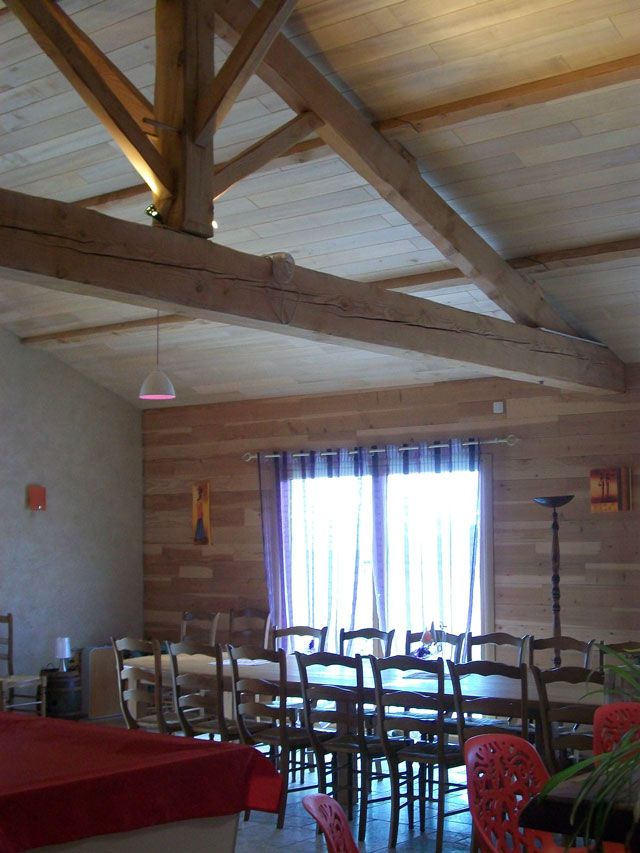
{"x":62,"y":780}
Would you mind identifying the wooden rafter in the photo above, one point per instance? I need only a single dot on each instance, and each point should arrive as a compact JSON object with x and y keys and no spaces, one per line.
{"x":65,"y":336}
{"x":86,"y":252}
{"x":216,"y":101}
{"x":514,"y":97}
{"x":104,"y":88}
{"x":395,"y":176}
{"x":264,"y":151}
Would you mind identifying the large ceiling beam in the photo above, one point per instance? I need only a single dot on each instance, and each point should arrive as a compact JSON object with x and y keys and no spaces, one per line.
{"x":66,"y":336}
{"x":394,"y":174}
{"x":103,"y":87}
{"x":73,"y":249}
{"x":216,"y":101}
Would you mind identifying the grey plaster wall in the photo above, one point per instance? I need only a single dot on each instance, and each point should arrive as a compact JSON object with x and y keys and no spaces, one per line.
{"x":75,"y":569}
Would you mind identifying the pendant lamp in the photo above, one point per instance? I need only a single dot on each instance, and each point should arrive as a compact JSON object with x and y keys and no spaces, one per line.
{"x":157,"y":385}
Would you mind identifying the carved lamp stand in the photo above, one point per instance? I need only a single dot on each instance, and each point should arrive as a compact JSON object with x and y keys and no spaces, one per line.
{"x":554,"y":502}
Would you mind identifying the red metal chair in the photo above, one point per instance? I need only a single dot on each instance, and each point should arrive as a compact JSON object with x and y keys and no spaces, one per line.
{"x":503,"y":773}
{"x":332,"y":821}
{"x":611,"y":722}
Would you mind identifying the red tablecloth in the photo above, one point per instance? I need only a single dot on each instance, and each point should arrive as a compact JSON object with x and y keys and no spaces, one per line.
{"x":62,"y":780}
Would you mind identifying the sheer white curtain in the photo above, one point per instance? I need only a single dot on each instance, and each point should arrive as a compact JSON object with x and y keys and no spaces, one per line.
{"x":355,"y":538}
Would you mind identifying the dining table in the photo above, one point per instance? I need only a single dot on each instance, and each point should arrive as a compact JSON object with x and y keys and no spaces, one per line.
{"x":554,"y":812}
{"x":69,"y":785}
{"x":493,"y":686}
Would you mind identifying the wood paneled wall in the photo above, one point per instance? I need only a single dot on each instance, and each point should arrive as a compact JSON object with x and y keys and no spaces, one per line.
{"x":561,"y":436}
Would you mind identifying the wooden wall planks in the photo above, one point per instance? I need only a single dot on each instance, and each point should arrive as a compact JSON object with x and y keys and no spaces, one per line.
{"x":561,"y":437}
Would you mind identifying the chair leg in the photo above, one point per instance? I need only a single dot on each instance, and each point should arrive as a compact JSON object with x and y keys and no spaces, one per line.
{"x":365,"y":787}
{"x":285,"y":760}
{"x":442,"y":789}
{"x":394,"y":778}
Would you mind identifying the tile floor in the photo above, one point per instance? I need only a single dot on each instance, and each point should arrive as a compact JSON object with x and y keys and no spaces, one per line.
{"x":259,"y":833}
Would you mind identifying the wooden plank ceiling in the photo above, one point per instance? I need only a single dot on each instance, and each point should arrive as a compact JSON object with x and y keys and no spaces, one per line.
{"x":521,"y":115}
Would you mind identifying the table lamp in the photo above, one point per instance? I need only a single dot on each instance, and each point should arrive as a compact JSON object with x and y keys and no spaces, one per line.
{"x":63,"y":651}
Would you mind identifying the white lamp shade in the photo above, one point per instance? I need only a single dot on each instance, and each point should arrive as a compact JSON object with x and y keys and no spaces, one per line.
{"x":157,"y":386}
{"x":63,"y":647}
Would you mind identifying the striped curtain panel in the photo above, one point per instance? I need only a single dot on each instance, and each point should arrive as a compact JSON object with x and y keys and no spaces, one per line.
{"x":382,"y":536}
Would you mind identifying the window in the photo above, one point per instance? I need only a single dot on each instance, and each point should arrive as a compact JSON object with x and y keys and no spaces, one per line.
{"x":387,"y":537}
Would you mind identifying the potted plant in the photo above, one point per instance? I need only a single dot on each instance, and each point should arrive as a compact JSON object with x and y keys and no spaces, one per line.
{"x":609,"y":774}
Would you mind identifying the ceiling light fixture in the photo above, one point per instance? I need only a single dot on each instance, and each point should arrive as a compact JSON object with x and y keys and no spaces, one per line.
{"x":151,"y":211}
{"x":157,"y":385}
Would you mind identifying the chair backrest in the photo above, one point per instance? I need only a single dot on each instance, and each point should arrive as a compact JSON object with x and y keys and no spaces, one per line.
{"x":257,"y":696}
{"x":6,"y":642}
{"x":449,"y":646}
{"x":299,"y":638}
{"x":564,"y":643}
{"x":409,"y":711}
{"x":563,"y":713}
{"x":332,"y":821}
{"x":505,"y":696}
{"x":611,"y":722}
{"x":366,"y":641}
{"x":476,"y":645}
{"x":503,"y":773}
{"x":199,"y":626}
{"x":337,"y":700}
{"x":249,"y":626}
{"x":141,"y":706}
{"x":630,"y":649}
{"x":198,"y":695}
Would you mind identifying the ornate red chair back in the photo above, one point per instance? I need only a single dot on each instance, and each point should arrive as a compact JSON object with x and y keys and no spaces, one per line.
{"x":611,"y":722}
{"x":332,"y":821}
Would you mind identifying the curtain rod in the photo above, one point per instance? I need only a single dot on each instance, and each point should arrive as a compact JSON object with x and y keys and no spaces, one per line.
{"x":509,"y":440}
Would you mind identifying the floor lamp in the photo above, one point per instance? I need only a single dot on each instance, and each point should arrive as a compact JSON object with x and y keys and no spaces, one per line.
{"x":554,"y":502}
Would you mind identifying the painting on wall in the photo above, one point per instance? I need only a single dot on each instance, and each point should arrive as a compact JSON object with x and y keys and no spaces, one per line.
{"x":201,"y":513}
{"x":610,"y":489}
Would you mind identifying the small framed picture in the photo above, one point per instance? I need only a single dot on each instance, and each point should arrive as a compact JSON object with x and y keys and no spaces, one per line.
{"x":610,"y":489}
{"x":201,"y":513}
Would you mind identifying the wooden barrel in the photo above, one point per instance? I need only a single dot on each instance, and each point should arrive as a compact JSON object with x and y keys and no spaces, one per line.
{"x":64,"y":693}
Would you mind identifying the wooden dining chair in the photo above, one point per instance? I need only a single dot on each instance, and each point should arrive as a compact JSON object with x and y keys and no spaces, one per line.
{"x":566,"y":715}
{"x":412,"y":728}
{"x":478,"y":645}
{"x":366,"y":641}
{"x":199,"y":626}
{"x":12,"y":684}
{"x":335,"y":717}
{"x":299,"y":638}
{"x":502,"y":707}
{"x":262,"y":713}
{"x":449,"y":646}
{"x":584,"y":650}
{"x":199,"y":698}
{"x":249,"y":626}
{"x":143,"y":706}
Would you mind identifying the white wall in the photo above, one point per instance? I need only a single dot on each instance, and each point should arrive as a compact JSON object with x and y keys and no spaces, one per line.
{"x":76,"y":569}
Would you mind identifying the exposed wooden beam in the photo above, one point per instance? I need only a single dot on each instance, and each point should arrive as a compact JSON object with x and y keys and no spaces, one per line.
{"x":263,"y":152}
{"x":104,"y":88}
{"x":513,"y":97}
{"x":66,"y":336}
{"x":395,"y":176}
{"x":184,"y":68}
{"x":216,"y":101}
{"x":83,"y":251}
